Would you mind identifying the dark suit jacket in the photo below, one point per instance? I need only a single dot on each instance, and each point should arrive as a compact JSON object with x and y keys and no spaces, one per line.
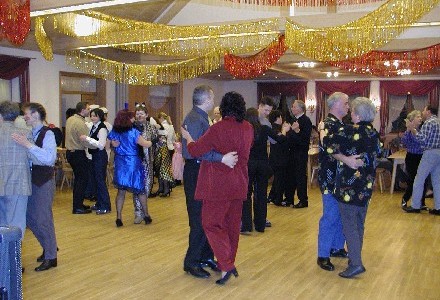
{"x":217,"y":181}
{"x":300,"y":141}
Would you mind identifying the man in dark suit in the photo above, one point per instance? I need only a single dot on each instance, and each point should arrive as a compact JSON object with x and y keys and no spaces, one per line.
{"x":299,"y":141}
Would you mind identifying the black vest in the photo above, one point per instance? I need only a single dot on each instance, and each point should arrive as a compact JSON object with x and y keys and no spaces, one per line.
{"x":41,"y":174}
{"x":94,"y":135}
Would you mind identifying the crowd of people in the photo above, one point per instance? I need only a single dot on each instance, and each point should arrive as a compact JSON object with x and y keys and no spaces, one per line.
{"x":230,"y":151}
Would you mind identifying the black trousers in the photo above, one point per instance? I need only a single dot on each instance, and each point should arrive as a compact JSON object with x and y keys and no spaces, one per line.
{"x":412,"y":162}
{"x":198,"y":248}
{"x":297,"y":177}
{"x":278,"y":184}
{"x":79,"y":163}
{"x":259,"y":172}
{"x":99,"y":164}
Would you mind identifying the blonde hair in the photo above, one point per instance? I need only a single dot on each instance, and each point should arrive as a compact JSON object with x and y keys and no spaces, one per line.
{"x":162,"y":115}
{"x":412,"y":115}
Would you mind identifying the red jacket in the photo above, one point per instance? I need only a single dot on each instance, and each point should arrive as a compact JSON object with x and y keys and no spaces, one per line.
{"x":217,"y":181}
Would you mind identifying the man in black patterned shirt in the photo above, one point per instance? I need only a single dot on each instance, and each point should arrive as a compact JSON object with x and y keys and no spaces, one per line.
{"x":330,"y":237}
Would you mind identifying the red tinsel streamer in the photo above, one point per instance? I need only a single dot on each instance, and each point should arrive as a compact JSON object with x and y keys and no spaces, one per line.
{"x":318,"y":3}
{"x":304,"y":3}
{"x":418,"y":61}
{"x":255,"y":65}
{"x":15,"y":20}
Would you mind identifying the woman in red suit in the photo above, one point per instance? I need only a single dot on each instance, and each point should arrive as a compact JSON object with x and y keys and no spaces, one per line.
{"x":221,"y":209}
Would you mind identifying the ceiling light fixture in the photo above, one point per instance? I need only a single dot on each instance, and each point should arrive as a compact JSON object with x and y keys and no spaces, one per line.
{"x":85,"y":26}
{"x":332,"y":74}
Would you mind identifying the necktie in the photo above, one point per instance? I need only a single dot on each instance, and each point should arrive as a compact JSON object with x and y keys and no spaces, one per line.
{"x":93,"y":129}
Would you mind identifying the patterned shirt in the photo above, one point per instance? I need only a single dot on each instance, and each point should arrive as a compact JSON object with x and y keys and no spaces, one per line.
{"x":411,"y":144}
{"x":327,"y":163}
{"x":352,"y":186}
{"x":429,"y":134}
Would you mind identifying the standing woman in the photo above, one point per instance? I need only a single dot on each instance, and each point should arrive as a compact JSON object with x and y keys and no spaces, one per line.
{"x":129,"y":174}
{"x":259,"y":172}
{"x":43,"y":153}
{"x":353,"y":188}
{"x":164,"y":152}
{"x":414,"y":152}
{"x":221,"y":209}
{"x":148,"y":132}
{"x":96,"y":147}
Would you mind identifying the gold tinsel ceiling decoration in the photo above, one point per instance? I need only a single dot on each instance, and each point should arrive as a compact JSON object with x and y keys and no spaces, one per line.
{"x":142,"y":74}
{"x":159,"y":39}
{"x":357,"y":37}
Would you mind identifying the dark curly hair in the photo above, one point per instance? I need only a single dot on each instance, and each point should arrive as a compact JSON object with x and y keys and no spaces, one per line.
{"x":123,"y":120}
{"x":233,"y":105}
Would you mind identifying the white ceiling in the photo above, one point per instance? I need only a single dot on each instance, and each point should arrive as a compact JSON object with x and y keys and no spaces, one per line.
{"x":190,"y":12}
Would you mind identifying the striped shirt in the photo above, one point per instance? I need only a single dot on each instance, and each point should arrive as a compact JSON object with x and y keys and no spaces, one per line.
{"x":429,"y":134}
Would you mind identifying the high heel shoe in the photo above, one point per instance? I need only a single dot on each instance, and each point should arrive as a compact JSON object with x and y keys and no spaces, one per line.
{"x":163,"y":195}
{"x":226,"y":277}
{"x":119,"y":223}
{"x":148,"y":220}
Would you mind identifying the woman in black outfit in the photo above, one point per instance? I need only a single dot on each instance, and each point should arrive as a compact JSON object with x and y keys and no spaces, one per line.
{"x":259,"y":172}
{"x":278,"y":158}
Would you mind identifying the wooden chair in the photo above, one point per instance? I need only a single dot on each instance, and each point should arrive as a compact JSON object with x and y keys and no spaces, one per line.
{"x":380,"y":178}
{"x":66,"y":168}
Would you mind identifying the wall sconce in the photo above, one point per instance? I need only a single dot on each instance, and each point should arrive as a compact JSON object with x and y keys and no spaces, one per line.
{"x":311,"y":105}
{"x":376,"y":103}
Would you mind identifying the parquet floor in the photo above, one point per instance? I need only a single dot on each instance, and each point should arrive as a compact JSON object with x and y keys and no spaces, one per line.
{"x":99,"y":261}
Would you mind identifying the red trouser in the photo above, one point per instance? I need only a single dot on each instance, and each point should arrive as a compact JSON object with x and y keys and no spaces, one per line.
{"x":221,"y":222}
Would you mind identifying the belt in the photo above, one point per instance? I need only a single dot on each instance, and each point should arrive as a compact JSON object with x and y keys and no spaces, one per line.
{"x":75,"y":150}
{"x":195,"y":161}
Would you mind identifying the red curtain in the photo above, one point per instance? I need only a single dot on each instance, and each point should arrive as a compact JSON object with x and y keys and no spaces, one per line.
{"x":401,"y":88}
{"x":11,"y":67}
{"x":295,"y":88}
{"x":328,"y":87}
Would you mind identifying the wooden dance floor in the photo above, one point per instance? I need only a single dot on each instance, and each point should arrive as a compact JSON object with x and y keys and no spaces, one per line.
{"x":96,"y":260}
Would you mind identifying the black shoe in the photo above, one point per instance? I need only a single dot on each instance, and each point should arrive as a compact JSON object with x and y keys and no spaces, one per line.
{"x":86,"y":206}
{"x":352,"y":271}
{"x":434,"y":212}
{"x":404,"y":203}
{"x":80,"y":211}
{"x":325,"y":264}
{"x":286,"y":203}
{"x":211,"y":264}
{"x":424,"y":207}
{"x":411,"y":210}
{"x":103,"y":211}
{"x":226,"y":277}
{"x":94,"y":207}
{"x":339,"y":253}
{"x":197,"y":272}
{"x":46,"y":265}
{"x":301,"y":204}
{"x":119,"y":223}
{"x":148,"y":220}
{"x":268,"y":223}
{"x":41,"y":257}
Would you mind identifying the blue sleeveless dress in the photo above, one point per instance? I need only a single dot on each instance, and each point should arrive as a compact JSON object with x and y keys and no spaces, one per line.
{"x":129,"y":173}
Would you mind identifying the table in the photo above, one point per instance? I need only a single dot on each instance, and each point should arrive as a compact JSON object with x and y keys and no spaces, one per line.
{"x":312,"y":152}
{"x":398,"y":159}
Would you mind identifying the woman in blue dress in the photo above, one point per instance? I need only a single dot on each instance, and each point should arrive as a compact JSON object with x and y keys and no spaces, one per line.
{"x":129,"y":174}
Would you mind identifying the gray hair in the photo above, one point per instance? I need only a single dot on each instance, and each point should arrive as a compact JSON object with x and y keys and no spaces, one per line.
{"x":301,"y":105}
{"x":335,"y":97}
{"x":364,"y":108}
{"x":412,"y":115}
{"x":9,"y":110}
{"x":201,"y":94}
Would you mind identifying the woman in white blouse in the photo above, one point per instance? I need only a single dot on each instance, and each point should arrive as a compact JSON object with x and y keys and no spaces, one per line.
{"x":96,"y":144}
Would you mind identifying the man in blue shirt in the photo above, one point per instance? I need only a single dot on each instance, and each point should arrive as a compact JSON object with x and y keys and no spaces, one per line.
{"x":199,"y":253}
